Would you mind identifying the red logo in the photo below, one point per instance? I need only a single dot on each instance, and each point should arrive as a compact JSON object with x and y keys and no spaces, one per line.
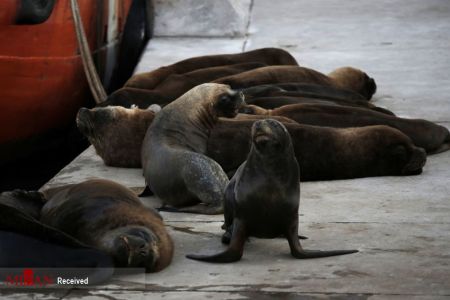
{"x":28,"y":278}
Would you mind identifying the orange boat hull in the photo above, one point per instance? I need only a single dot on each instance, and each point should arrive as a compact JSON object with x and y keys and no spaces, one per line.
{"x":42,"y":81}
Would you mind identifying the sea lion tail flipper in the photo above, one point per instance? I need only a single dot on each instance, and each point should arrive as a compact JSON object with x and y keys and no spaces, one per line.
{"x":201,"y":208}
{"x":444,"y":146}
{"x":233,"y":252}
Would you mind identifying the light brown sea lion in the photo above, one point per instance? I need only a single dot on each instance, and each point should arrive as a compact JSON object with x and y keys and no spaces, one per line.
{"x":318,"y":149}
{"x":109,"y":217}
{"x":432,"y":137}
{"x":263,"y":197}
{"x":347,"y":78}
{"x":268,"y":56}
{"x":173,"y":153}
{"x":174,"y":86}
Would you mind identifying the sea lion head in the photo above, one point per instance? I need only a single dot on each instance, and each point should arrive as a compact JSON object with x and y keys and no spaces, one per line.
{"x":270,"y":138}
{"x":397,"y":153}
{"x":115,"y":132}
{"x":134,"y":247}
{"x":355,"y":80}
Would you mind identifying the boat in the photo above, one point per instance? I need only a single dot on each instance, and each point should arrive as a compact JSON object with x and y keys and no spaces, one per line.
{"x":42,"y":80}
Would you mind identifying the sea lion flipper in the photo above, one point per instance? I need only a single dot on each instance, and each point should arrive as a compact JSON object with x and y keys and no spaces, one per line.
{"x":202,"y":209}
{"x":146,"y":192}
{"x":298,"y":252}
{"x":28,"y":202}
{"x":233,"y":252}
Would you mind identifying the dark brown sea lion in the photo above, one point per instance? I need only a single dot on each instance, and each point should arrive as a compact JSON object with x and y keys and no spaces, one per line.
{"x":109,"y":217}
{"x":346,"y":78}
{"x":326,"y":153}
{"x":268,"y":56}
{"x":307,"y":90}
{"x":173,"y":153}
{"x":282,"y":100}
{"x":28,"y":243}
{"x":263,"y":197}
{"x":174,"y":86}
{"x":317,"y":148}
{"x":432,"y":137}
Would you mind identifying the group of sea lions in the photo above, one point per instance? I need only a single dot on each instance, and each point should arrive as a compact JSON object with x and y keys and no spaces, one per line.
{"x":255,"y":117}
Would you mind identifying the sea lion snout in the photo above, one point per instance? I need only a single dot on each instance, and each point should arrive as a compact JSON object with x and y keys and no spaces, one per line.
{"x":416,"y":162}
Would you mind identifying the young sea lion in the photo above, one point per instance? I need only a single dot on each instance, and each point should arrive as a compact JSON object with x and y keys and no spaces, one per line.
{"x":109,"y":217}
{"x":317,"y":148}
{"x":432,"y":137}
{"x":174,"y":86}
{"x":346,"y":78}
{"x":263,"y":197}
{"x":268,"y":56}
{"x":173,"y":153}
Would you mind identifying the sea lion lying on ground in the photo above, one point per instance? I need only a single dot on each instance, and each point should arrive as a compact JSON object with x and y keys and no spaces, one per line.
{"x":365,"y":151}
{"x":28,"y":243}
{"x":282,"y":100}
{"x":432,"y":137}
{"x":325,"y":153}
{"x":345,"y":78}
{"x":173,"y":152}
{"x":174,"y":86}
{"x":268,"y":56}
{"x":307,"y":90}
{"x":263,"y":197}
{"x":108,"y":217}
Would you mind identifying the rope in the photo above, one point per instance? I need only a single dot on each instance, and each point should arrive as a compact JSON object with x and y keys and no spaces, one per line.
{"x":93,"y":79}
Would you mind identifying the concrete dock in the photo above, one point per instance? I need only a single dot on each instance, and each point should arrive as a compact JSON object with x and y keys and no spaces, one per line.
{"x":401,"y":225}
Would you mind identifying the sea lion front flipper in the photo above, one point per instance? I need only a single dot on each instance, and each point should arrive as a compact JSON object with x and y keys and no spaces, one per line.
{"x":28,"y":202}
{"x":233,"y":252}
{"x":298,"y":252}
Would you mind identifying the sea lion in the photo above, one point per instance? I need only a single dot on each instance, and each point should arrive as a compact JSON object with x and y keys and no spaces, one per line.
{"x":307,"y":90}
{"x":116,"y":132}
{"x":326,"y":153}
{"x":346,"y":78}
{"x":268,"y":56}
{"x":263,"y":197}
{"x":424,"y":134}
{"x":286,"y":99}
{"x":175,"y":166}
{"x":28,"y":243}
{"x":174,"y":86}
{"x":109,"y":217}
{"x":317,"y":148}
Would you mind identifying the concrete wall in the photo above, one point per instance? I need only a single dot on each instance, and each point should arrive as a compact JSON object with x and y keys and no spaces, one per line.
{"x":205,"y":18}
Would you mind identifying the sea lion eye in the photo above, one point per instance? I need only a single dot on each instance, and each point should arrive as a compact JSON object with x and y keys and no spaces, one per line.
{"x":225,"y":99}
